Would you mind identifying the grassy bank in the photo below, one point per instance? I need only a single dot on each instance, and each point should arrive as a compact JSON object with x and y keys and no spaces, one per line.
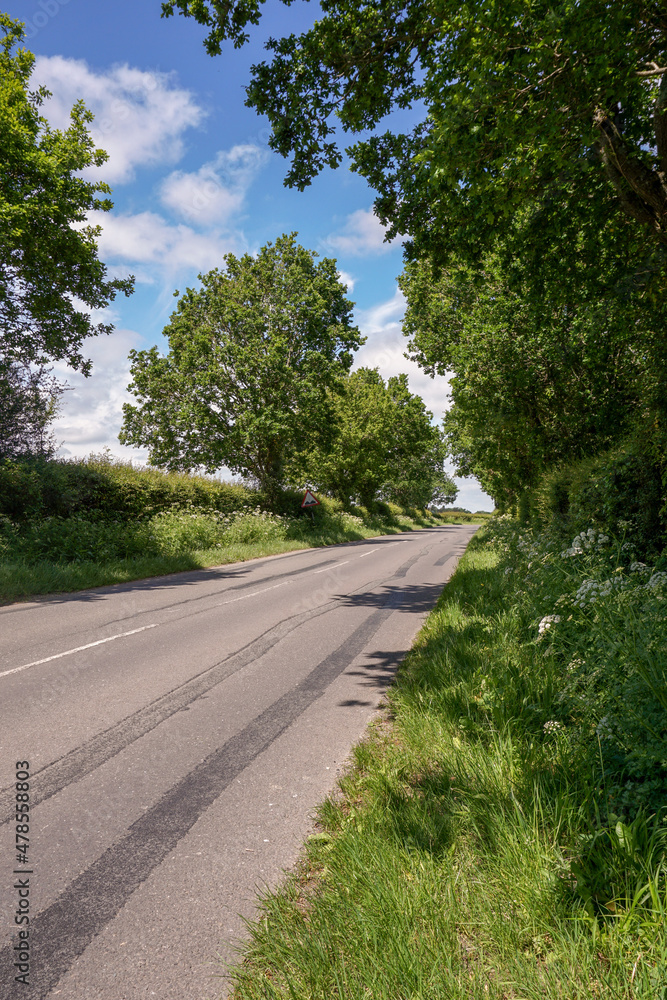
{"x":70,"y":525}
{"x":502,"y":834}
{"x":66,"y":554}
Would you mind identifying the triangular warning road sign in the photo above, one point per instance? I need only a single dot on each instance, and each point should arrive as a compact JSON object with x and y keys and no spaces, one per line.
{"x":309,"y":500}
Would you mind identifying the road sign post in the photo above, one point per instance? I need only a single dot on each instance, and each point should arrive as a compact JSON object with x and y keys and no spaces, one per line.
{"x":309,"y":502}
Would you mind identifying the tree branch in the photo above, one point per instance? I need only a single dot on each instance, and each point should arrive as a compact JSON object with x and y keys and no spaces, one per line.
{"x":642,"y":191}
{"x":654,"y":71}
{"x":660,"y":122}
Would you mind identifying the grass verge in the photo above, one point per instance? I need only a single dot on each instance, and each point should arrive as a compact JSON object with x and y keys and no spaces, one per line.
{"x":83,"y":553}
{"x":472,"y":853}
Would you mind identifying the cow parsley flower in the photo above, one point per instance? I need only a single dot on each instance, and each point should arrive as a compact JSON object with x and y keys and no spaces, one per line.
{"x":657,"y":581}
{"x":547,"y":622}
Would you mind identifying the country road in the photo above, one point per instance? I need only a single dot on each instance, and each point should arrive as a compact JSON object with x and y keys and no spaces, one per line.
{"x":179,"y":733}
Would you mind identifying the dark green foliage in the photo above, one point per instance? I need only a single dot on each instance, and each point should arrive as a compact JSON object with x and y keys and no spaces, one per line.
{"x":102,"y":488}
{"x":623,"y":492}
{"x":537,"y":380}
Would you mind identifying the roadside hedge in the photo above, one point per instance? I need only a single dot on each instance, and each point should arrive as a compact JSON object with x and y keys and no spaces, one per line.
{"x":102,"y":487}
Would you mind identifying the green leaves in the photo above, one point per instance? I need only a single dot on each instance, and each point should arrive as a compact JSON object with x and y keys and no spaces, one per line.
{"x":541,"y":371}
{"x":47,"y":259}
{"x":517,"y":98}
{"x":254,"y":358}
{"x":383,"y":447}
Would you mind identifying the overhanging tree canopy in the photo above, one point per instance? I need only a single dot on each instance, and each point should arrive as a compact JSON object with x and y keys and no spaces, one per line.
{"x":534,"y":382}
{"x":524,"y":101}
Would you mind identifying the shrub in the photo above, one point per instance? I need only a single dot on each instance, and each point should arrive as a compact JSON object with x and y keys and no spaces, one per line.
{"x":623,"y":490}
{"x":593,"y":620}
{"x":105,"y":487}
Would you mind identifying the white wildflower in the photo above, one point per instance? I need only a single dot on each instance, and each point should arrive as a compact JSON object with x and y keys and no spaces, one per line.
{"x":547,"y":622}
{"x":586,"y":541}
{"x":603,"y":730}
{"x":552,"y":726}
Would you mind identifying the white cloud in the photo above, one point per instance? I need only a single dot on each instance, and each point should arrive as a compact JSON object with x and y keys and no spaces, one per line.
{"x":348,"y":280}
{"x":363,"y":234}
{"x":155,"y":248}
{"x":149,"y":240}
{"x":216,"y":191}
{"x":385,"y":348}
{"x":140,"y":115}
{"x":92,"y":409}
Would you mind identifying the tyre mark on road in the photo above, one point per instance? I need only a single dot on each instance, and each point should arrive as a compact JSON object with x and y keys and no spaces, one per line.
{"x":64,"y":930}
{"x":107,"y":744}
{"x":100,"y":748}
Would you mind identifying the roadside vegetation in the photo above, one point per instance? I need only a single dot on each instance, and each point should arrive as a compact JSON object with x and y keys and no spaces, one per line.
{"x":69,"y":525}
{"x":503,"y":831}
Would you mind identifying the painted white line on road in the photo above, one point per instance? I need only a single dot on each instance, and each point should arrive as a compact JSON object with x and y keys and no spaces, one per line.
{"x":254,"y":594}
{"x":77,"y":649}
{"x":371,"y":553}
{"x":330,"y":568}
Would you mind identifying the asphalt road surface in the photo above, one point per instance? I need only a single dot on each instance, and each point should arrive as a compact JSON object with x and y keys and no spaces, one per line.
{"x":179,"y":733}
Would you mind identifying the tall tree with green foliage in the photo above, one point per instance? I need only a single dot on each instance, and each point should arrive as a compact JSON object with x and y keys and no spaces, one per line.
{"x":384,"y":447}
{"x":534,"y":383}
{"x":49,"y":262}
{"x":525,"y":103}
{"x":255,"y":358}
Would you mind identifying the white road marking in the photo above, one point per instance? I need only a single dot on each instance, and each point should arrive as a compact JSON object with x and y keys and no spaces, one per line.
{"x":254,"y":594}
{"x":77,"y":649}
{"x":327,"y":569}
{"x":121,"y":635}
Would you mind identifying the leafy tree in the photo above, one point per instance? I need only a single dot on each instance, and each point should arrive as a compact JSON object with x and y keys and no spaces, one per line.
{"x":533,"y":384}
{"x":48,"y":255}
{"x":29,"y":399}
{"x":255,"y":358}
{"x":526,"y":103}
{"x":384,"y":447}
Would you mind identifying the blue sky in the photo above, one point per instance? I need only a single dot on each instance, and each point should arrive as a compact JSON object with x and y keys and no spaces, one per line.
{"x":193,"y":178}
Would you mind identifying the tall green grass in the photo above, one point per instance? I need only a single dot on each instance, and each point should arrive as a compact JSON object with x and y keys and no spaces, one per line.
{"x":497,"y":836}
{"x":53,"y":554}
